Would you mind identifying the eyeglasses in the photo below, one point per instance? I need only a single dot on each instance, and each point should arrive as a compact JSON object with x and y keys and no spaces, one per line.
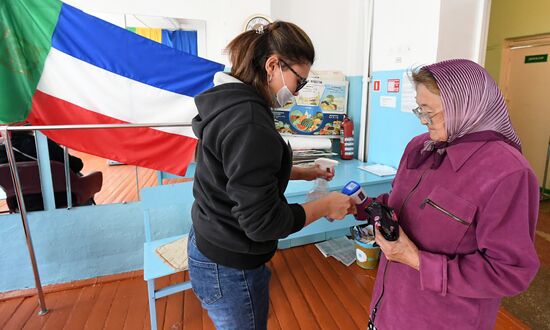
{"x":301,"y":80}
{"x":422,"y":115}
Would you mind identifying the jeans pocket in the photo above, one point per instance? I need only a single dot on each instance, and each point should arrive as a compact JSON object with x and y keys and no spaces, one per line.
{"x":205,"y":281}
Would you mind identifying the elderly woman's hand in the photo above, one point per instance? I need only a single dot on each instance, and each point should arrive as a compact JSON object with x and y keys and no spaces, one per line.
{"x":403,"y":250}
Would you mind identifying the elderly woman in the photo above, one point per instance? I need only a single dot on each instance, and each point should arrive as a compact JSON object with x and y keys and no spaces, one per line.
{"x":467,"y":203}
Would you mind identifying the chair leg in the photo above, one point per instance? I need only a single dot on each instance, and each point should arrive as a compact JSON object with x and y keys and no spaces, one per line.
{"x":152,"y":305}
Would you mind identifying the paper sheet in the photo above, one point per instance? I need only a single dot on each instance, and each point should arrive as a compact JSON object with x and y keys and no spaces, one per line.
{"x":388,"y":101}
{"x":408,"y":94}
{"x":342,"y":249}
{"x":379,"y":169}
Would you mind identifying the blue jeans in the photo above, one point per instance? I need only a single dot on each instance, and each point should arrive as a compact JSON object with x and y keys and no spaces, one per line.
{"x":234,"y":298}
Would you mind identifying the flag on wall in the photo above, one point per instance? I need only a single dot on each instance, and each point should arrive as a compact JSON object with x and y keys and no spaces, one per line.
{"x":183,"y":40}
{"x":63,"y":66}
{"x":150,"y":33}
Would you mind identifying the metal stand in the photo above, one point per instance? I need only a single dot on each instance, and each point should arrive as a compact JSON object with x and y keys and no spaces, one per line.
{"x":67,"y":178}
{"x":543,"y":194}
{"x":26,"y":228}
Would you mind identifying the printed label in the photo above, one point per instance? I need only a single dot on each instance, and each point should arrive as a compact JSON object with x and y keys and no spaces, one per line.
{"x":360,"y":255}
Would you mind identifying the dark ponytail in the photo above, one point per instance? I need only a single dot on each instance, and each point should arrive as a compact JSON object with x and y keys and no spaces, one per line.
{"x":249,"y":51}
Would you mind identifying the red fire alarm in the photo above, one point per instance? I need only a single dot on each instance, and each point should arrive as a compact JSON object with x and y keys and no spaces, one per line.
{"x":376,"y":85}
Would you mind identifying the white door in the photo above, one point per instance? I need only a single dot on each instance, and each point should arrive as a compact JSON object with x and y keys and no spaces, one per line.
{"x":528,"y":97}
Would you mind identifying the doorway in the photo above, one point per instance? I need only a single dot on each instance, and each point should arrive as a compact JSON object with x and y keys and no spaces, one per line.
{"x":525,"y":82}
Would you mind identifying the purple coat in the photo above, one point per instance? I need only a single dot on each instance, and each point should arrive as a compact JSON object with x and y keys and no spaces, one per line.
{"x":473,"y":220}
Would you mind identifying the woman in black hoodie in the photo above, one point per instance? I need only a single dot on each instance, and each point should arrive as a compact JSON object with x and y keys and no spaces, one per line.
{"x":243,"y":168}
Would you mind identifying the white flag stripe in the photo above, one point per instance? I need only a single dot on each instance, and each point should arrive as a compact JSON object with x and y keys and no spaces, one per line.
{"x":110,"y":94}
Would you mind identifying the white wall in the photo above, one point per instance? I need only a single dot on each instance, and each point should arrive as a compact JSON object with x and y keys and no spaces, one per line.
{"x":224,"y":19}
{"x":335,"y":28}
{"x":463,"y":27}
{"x":409,"y":33}
{"x":405,"y":33}
{"x":337,"y":31}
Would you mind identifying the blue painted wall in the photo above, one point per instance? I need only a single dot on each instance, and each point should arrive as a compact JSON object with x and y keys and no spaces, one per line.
{"x":354,"y":106}
{"x":76,"y":244}
{"x":390,"y":129}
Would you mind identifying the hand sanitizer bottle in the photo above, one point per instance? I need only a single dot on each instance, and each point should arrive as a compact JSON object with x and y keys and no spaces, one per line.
{"x":320,"y":188}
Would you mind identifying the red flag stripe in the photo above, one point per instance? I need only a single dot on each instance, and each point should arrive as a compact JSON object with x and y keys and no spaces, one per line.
{"x":145,"y":147}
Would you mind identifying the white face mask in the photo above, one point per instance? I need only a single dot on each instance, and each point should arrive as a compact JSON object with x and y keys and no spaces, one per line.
{"x":284,"y":94}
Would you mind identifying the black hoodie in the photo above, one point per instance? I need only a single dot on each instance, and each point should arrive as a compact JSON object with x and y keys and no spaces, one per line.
{"x":243,"y":168}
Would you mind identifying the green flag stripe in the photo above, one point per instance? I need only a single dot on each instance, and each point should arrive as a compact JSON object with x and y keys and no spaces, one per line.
{"x":26,"y":28}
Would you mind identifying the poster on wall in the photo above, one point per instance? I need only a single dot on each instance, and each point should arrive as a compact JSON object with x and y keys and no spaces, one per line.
{"x":393,"y":86}
{"x":318,"y":109}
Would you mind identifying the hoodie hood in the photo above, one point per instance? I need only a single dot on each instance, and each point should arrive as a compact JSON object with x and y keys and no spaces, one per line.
{"x":221,"y":78}
{"x":227,"y":93}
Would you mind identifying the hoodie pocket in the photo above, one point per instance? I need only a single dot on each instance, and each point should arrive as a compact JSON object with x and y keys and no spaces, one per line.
{"x":445,"y":217}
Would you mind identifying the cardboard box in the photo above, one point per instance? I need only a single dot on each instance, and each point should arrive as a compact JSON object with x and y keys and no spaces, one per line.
{"x":318,"y":109}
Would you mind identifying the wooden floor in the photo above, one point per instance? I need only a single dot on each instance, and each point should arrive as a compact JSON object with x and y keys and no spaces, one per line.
{"x":120,"y":182}
{"x":307,"y":291}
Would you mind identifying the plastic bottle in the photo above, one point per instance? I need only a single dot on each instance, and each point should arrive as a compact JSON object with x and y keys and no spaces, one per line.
{"x":320,"y":188}
{"x":346,"y":140}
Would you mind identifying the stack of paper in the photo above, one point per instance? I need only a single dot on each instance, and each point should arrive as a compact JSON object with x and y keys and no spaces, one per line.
{"x":379,"y":169}
{"x":342,"y":249}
